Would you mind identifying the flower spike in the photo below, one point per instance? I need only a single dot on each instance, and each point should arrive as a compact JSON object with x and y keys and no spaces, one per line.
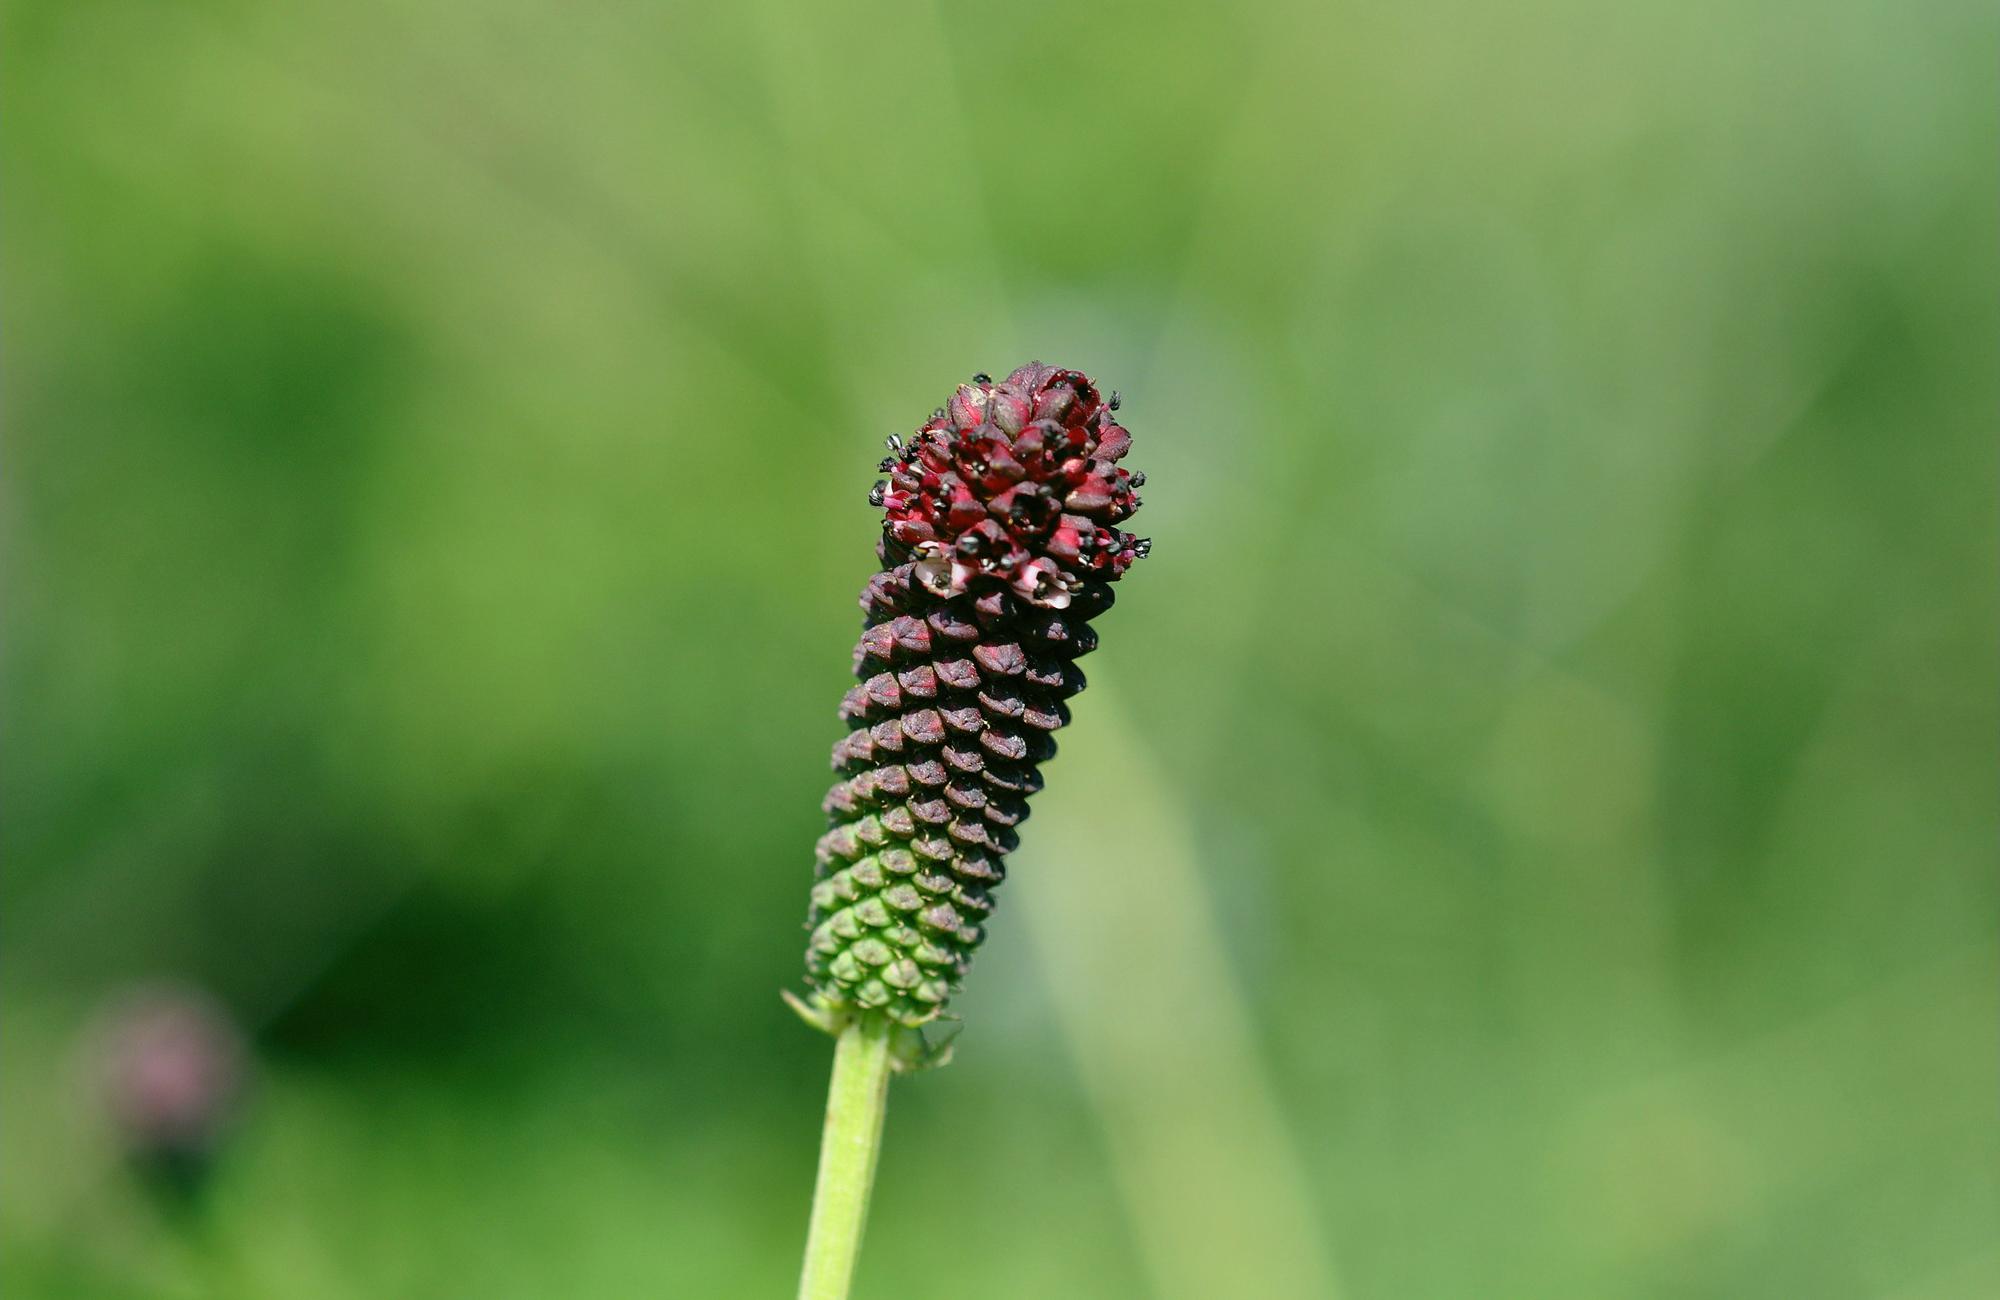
{"x":1000,"y":542}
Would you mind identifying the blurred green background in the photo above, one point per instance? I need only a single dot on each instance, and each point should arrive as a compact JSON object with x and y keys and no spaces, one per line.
{"x":1555,"y":731}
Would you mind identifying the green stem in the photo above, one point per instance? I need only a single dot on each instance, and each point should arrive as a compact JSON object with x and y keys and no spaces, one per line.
{"x":855,"y":1102}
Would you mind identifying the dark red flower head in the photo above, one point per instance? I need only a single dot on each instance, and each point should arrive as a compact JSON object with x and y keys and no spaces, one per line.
{"x":1016,"y":483}
{"x":1000,"y":545}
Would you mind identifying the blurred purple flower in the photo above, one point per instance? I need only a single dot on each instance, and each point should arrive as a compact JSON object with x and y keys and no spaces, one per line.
{"x":172,"y":1067}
